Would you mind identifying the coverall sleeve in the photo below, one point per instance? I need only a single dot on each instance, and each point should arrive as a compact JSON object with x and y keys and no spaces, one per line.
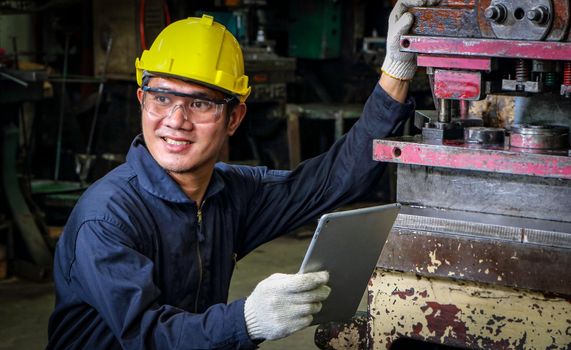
{"x":286,"y":200}
{"x":112,"y":276}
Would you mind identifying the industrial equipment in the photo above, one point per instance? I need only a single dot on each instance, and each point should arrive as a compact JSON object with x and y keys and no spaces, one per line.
{"x":269,"y":74}
{"x":19,"y":86}
{"x":315,"y":29}
{"x":480,"y":255}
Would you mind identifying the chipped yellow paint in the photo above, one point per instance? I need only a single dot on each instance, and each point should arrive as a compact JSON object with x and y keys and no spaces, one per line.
{"x":434,"y":263}
{"x":466,"y":314}
{"x":349,"y":339}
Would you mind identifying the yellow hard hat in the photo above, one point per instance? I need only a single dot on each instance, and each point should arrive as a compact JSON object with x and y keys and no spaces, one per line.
{"x":200,"y":50}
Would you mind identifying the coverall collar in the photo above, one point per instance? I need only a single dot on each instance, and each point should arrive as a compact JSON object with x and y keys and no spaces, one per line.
{"x":157,"y":181}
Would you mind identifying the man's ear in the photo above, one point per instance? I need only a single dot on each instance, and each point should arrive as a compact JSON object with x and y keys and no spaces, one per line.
{"x":236,"y":118}
{"x":140,"y":93}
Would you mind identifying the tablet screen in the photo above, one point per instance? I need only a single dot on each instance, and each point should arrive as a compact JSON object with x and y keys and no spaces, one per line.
{"x":348,"y":244}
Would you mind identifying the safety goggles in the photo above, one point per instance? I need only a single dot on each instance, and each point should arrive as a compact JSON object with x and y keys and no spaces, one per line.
{"x":196,"y":108}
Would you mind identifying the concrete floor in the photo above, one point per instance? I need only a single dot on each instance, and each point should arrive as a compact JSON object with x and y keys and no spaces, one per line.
{"x":26,"y":306}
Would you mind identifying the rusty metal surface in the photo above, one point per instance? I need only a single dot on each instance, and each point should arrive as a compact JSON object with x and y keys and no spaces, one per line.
{"x":352,"y":334}
{"x":407,"y":150}
{"x":467,"y":19}
{"x":464,"y":314}
{"x":561,"y":21}
{"x":495,"y":110}
{"x":457,"y":20}
{"x":545,"y":50}
{"x":484,"y":25}
{"x":500,"y":110}
{"x":488,"y":260}
{"x":516,"y":25}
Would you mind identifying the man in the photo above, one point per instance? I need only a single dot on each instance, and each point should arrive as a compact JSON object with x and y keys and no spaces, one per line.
{"x":146,"y":257}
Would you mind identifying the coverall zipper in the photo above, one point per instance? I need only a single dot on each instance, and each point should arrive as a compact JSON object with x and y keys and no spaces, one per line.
{"x":199,"y":217}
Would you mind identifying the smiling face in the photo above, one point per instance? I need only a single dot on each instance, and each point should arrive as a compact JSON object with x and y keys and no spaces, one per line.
{"x":175,"y":142}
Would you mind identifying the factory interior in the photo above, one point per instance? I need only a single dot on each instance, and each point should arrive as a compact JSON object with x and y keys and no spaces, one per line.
{"x":479,"y":256}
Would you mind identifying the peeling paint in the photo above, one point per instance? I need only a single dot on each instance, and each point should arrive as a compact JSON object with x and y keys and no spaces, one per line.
{"x":343,"y":335}
{"x":348,"y":340}
{"x":465,"y":314}
{"x":403,"y":294}
{"x":442,"y":321}
{"x":434,"y":263}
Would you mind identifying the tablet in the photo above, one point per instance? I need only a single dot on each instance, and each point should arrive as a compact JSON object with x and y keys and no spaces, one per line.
{"x":348,"y":245}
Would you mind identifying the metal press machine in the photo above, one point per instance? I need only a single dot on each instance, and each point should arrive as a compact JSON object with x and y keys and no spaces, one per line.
{"x":480,"y":256}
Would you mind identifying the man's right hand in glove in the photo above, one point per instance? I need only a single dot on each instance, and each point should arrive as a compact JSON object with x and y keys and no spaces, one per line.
{"x":399,"y":67}
{"x":283,"y":304}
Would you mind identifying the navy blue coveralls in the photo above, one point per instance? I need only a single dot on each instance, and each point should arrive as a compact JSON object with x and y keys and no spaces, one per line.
{"x":140,"y":266}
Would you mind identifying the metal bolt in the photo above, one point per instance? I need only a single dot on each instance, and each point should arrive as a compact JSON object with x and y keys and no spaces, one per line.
{"x":496,"y":13}
{"x":539,"y":14}
{"x":492,"y":13}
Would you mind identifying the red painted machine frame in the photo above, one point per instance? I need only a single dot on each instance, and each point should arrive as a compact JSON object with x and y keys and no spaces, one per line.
{"x":542,"y":50}
{"x":464,"y":156}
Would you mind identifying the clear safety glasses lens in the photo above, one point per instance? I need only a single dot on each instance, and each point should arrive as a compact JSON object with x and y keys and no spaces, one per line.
{"x":198,"y":110}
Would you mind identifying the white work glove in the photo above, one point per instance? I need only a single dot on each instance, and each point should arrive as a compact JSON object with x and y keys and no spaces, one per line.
{"x":397,"y":64}
{"x":283,"y":304}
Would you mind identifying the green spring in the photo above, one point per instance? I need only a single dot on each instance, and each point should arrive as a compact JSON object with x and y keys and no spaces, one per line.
{"x":550,"y":79}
